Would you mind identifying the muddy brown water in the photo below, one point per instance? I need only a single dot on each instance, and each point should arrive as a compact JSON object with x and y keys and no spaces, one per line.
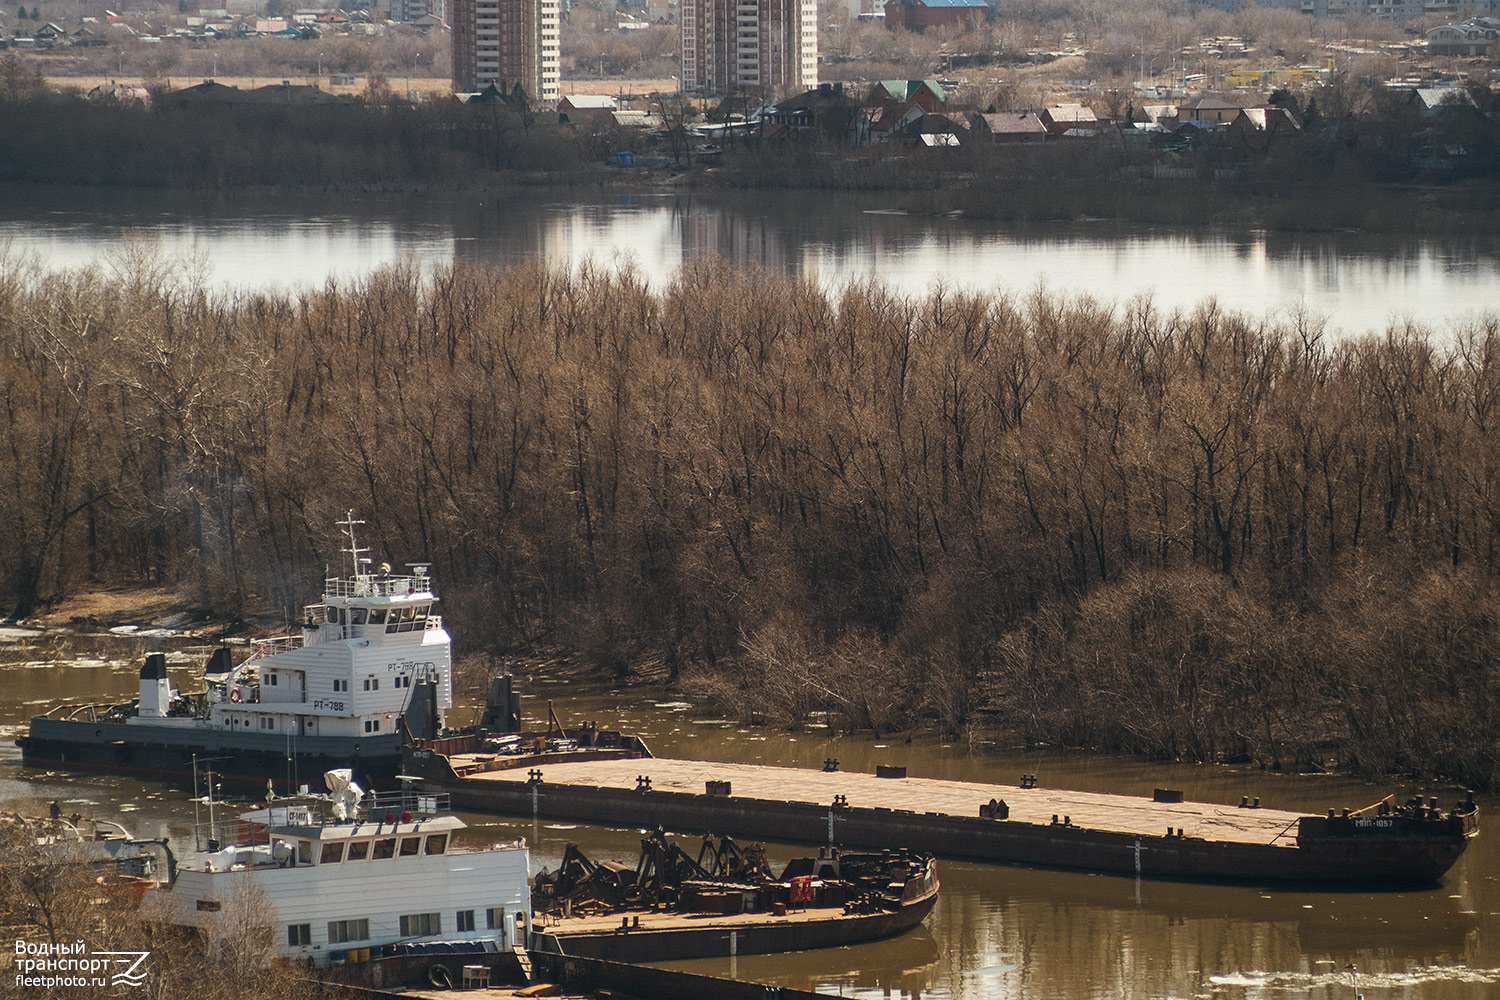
{"x":997,"y":932}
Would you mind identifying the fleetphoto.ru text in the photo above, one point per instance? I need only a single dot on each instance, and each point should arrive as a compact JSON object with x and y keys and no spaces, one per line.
{"x":48,"y":966}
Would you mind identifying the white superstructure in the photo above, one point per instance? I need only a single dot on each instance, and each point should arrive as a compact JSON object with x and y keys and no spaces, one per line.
{"x":358,"y":887}
{"x":349,"y":674}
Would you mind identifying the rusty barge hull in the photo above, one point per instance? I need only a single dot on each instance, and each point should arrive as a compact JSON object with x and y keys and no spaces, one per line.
{"x":759,"y":935}
{"x":1047,"y":828}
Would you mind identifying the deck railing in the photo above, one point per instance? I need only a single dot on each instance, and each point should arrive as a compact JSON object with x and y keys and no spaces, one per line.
{"x":377,"y":586}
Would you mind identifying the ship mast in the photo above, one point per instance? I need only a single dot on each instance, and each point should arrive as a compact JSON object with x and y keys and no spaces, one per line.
{"x":356,"y":553}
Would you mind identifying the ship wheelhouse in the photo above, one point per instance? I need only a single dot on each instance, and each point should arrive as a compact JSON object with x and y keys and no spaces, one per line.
{"x":351,"y":671}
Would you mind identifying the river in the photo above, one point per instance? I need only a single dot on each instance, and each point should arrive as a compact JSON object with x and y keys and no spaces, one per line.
{"x":1355,"y":283}
{"x":997,"y":932}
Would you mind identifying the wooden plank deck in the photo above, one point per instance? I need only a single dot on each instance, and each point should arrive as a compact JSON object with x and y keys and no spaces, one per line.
{"x":1089,"y":810}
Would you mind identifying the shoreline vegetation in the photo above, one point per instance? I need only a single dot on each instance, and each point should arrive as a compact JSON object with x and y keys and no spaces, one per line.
{"x":1326,"y":182}
{"x":1195,"y":535}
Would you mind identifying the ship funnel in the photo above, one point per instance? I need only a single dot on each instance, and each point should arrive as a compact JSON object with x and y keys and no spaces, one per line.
{"x":155,"y":667}
{"x":156,"y":690}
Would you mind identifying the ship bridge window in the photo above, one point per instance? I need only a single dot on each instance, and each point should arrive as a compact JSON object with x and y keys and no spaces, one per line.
{"x":385,"y":849}
{"x":357,"y":616}
{"x":359,"y":850}
{"x":335,"y":615}
{"x":409,"y":846}
{"x":377,"y":616}
{"x":304,"y":852}
{"x":408,"y":619}
{"x":437,"y":844}
{"x":333,"y":853}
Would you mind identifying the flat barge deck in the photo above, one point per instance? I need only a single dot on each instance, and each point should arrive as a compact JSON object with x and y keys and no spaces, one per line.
{"x":1384,"y":846}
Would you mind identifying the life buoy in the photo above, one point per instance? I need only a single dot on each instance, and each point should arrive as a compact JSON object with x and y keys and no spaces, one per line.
{"x":234,"y":695}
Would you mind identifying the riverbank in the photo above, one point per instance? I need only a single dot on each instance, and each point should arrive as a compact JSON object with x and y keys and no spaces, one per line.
{"x":1320,"y":183}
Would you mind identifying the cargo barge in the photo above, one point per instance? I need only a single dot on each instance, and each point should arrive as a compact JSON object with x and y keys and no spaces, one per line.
{"x":1388,"y":845}
{"x":670,"y":907}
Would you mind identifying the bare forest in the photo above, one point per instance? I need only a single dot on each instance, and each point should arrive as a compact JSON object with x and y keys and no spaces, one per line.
{"x":1200,"y":536}
{"x":49,"y":897}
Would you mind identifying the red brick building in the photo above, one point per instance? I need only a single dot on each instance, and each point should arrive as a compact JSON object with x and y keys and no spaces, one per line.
{"x":919,"y":15}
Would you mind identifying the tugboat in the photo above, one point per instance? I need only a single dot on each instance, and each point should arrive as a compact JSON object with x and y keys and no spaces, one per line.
{"x":334,"y":696}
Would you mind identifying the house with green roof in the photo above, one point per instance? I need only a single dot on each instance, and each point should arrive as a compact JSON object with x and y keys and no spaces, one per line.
{"x":928,"y":95}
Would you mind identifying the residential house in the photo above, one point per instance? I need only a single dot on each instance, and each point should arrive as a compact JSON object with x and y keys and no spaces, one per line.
{"x":587,"y":103}
{"x":1268,"y":133}
{"x":894,"y":121}
{"x":1061,"y":119}
{"x":938,"y":130}
{"x":826,"y":111}
{"x":919,"y":15}
{"x":1476,"y":37}
{"x":1208,"y":109}
{"x":925,"y":94}
{"x":1009,"y":128}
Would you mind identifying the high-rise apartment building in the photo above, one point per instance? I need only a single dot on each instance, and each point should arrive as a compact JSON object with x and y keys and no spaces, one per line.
{"x":761,"y":46}
{"x":506,"y":42}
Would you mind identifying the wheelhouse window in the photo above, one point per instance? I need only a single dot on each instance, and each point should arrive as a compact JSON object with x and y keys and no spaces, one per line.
{"x":385,"y":849}
{"x":332,"y":853}
{"x":437,"y":843}
{"x":409,"y":846}
{"x":359,"y":850}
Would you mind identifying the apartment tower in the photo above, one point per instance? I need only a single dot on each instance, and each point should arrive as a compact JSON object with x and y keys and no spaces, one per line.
{"x":506,"y":42}
{"x":765,"y":47}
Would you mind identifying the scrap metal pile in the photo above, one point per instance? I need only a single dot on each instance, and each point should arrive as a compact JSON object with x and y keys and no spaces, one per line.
{"x":724,"y":878}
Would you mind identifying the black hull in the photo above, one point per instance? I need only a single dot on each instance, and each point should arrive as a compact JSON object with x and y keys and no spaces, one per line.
{"x":1356,"y":862}
{"x":248,"y":762}
{"x":768,"y":935}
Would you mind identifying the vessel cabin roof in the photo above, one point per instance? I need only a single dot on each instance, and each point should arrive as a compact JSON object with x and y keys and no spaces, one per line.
{"x":380,"y":588}
{"x":369,"y":828}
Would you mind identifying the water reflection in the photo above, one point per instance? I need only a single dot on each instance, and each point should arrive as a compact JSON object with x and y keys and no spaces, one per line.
{"x":1359,"y":283}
